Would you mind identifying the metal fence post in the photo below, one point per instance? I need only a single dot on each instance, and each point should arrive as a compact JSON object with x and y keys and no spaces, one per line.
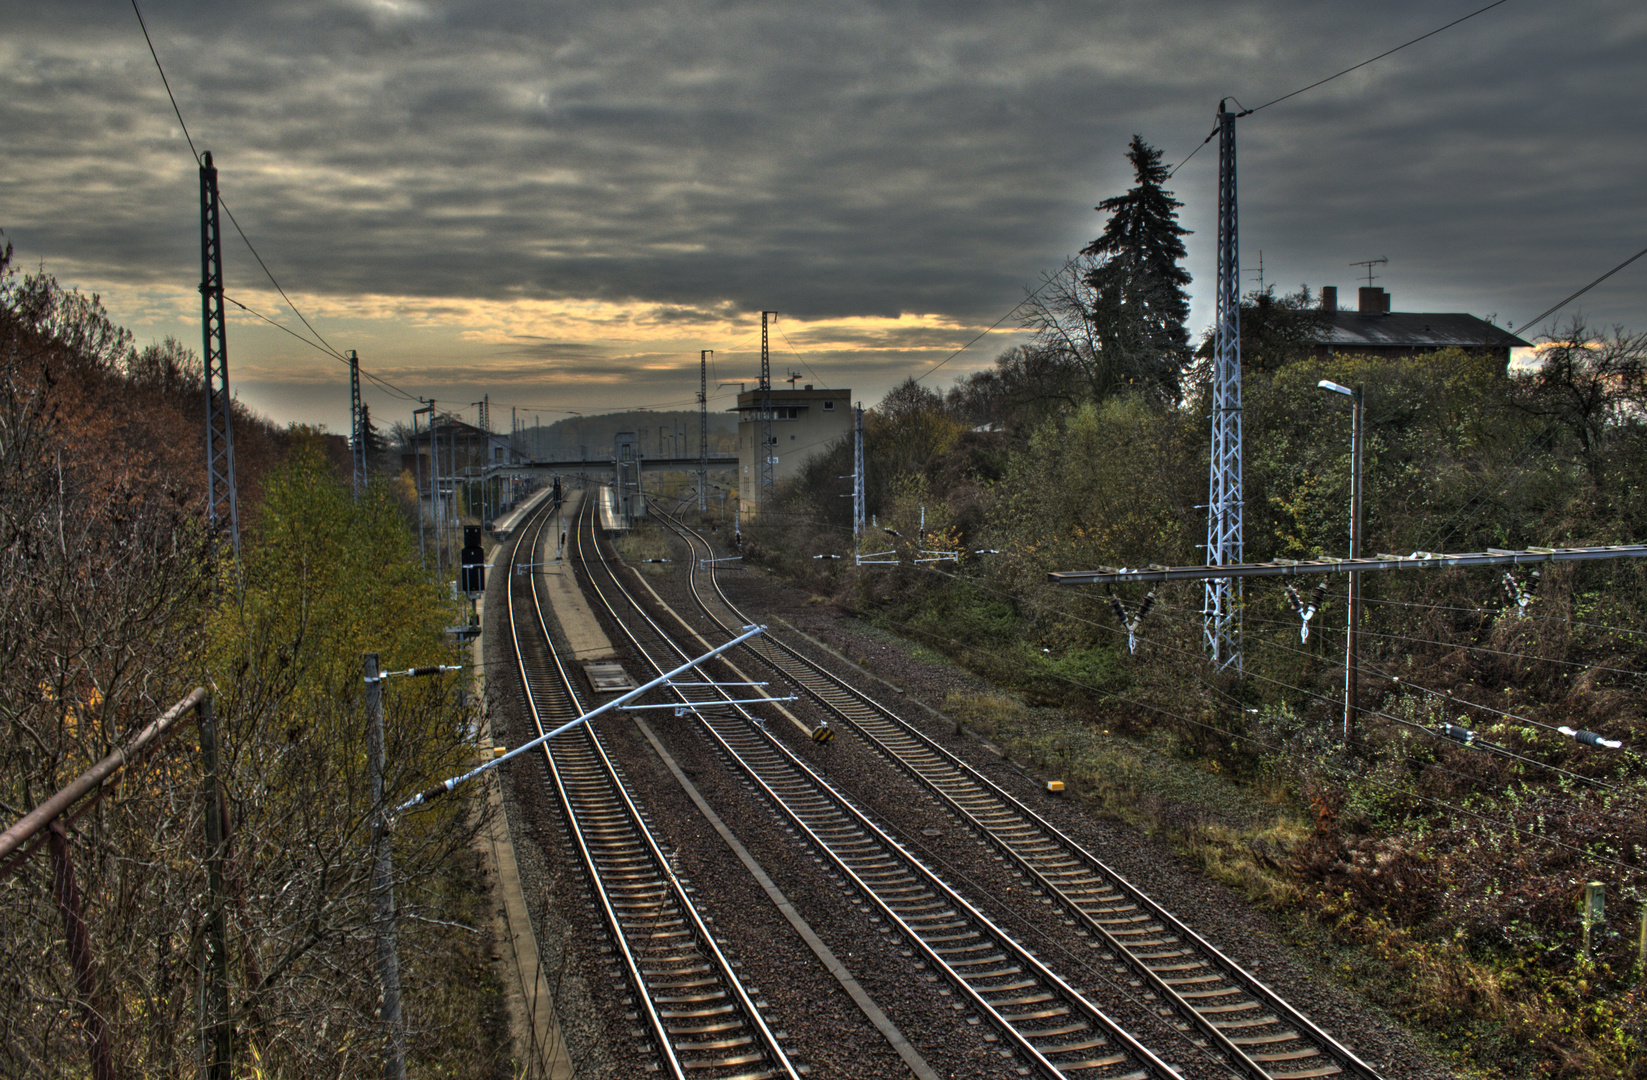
{"x":67,"y":893}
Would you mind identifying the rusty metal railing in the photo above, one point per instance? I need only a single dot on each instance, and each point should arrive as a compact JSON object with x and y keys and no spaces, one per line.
{"x":48,"y":824}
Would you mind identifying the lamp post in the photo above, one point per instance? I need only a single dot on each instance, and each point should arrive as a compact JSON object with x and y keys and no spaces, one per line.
{"x":1351,"y":664}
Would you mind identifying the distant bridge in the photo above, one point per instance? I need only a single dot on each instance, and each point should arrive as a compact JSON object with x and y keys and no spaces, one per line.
{"x":671,"y":464}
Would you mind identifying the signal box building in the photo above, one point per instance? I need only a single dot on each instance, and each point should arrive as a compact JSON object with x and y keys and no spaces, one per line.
{"x":805,"y":423}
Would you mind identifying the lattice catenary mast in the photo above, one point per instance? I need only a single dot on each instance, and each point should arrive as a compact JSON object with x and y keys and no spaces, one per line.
{"x":703,"y":429}
{"x":221,"y":505}
{"x":767,"y":439}
{"x":857,"y":471}
{"x":1223,"y":595}
{"x":357,"y":428}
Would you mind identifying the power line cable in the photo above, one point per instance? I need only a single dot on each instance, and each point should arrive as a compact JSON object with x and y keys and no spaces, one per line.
{"x":1580,"y":292}
{"x":166,"y":82}
{"x":1380,"y":714}
{"x":1380,"y":56}
{"x":221,"y":201}
{"x":1344,"y":775}
{"x":1330,"y":78}
{"x":386,"y":384}
{"x":1501,"y":751}
{"x":1231,"y":699}
{"x":992,"y":326}
{"x":798,"y":355}
{"x":1364,"y":632}
{"x":1480,"y":611}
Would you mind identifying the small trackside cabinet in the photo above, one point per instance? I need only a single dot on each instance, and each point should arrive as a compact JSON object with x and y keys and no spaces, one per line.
{"x":472,"y":579}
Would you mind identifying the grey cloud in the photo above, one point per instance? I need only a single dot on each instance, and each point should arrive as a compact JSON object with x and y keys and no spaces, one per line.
{"x":850,"y":159}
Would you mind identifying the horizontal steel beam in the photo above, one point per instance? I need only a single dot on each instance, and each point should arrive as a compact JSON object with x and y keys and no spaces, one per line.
{"x":1418,"y":560}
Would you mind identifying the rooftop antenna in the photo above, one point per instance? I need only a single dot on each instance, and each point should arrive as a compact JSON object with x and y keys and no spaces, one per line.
{"x":793,"y":377}
{"x":1259,"y":271}
{"x":1369,"y":264}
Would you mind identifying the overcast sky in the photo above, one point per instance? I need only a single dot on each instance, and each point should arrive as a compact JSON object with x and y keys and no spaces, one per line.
{"x":558,"y":205}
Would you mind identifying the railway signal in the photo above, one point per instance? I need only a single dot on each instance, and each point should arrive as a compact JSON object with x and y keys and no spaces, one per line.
{"x":472,"y":575}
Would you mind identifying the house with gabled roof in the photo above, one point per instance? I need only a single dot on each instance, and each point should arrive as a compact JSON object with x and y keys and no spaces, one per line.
{"x":1372,"y":329}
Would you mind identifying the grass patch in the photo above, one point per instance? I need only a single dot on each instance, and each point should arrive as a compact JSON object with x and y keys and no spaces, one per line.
{"x":643,"y":543}
{"x":457,"y":1022}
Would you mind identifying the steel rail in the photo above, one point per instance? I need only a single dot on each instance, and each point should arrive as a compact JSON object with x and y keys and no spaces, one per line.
{"x":1099,"y":898}
{"x":702,"y":1020}
{"x":979,"y":958}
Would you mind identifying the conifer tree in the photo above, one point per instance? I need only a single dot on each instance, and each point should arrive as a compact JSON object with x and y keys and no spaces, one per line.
{"x":1138,"y":304}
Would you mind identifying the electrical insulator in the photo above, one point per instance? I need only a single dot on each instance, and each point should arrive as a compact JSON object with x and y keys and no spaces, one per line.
{"x":1457,"y":733}
{"x":1590,"y":738}
{"x":1131,"y":620}
{"x":1520,"y":595}
{"x":1304,"y":611}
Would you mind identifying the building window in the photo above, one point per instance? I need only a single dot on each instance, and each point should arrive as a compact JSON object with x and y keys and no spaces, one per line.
{"x":829,"y":406}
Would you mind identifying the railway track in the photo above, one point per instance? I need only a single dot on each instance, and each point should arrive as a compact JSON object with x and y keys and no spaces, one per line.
{"x":1045,"y":1023}
{"x":701,"y":1021}
{"x":1253,"y":1031}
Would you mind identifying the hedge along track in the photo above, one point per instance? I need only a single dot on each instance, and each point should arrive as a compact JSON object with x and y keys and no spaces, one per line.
{"x":1048,"y":1024}
{"x":701,"y":1020}
{"x":1245,"y":1023}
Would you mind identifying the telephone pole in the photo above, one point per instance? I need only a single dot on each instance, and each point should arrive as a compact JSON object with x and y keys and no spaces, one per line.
{"x":1222,"y":610}
{"x":221,"y":504}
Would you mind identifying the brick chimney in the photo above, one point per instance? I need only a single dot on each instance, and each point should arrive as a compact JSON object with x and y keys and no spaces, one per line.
{"x":1374,"y":301}
{"x":1329,"y":298}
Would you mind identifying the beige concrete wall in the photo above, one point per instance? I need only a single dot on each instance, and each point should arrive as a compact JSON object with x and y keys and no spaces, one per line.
{"x":805,"y":423}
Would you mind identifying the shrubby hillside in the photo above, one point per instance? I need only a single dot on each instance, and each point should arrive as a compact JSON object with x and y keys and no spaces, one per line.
{"x":1450,"y":872}
{"x":116,"y":602}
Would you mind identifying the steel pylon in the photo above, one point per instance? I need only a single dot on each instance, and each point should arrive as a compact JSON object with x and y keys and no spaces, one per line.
{"x":221,"y":505}
{"x":1222,"y":609}
{"x":767,"y":439}
{"x":357,"y":426}
{"x":703,"y":429}
{"x":857,"y":471}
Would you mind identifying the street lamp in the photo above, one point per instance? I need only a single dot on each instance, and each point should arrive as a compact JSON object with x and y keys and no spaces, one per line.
{"x":1351,"y":665}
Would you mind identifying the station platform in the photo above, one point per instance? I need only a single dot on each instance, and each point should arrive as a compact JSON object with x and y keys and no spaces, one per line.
{"x":584,"y":636}
{"x":503,"y":526}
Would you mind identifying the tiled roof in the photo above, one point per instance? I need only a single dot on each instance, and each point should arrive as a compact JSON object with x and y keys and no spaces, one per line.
{"x":1407,"y":329}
